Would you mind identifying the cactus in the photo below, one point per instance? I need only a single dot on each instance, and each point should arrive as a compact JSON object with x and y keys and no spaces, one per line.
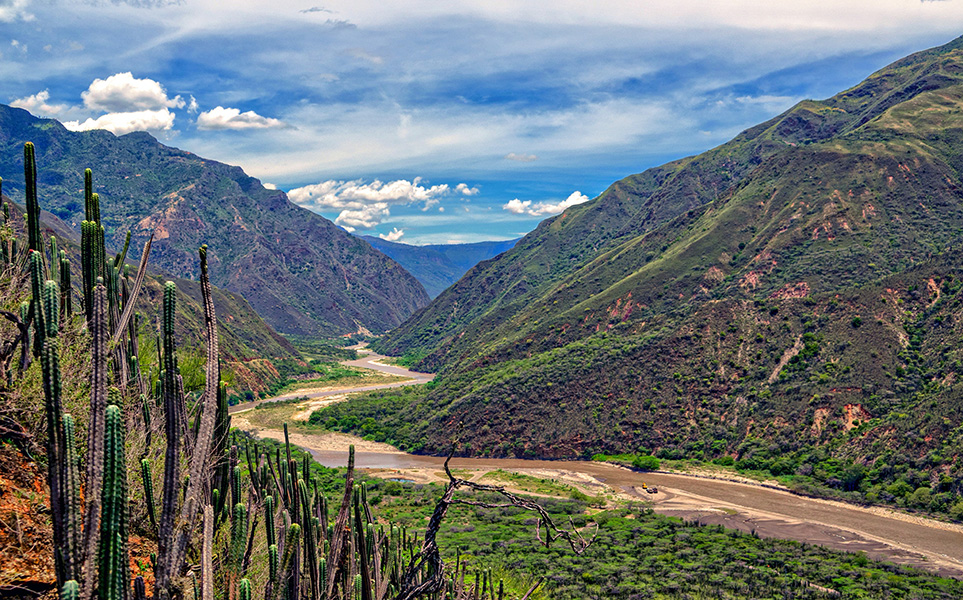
{"x":172,"y":432}
{"x":113,"y":557}
{"x":70,"y":590}
{"x":244,"y":590}
{"x":310,"y":540}
{"x":66,"y":298}
{"x":95,"y":435}
{"x":269,"y":520}
{"x":71,"y":504}
{"x":289,"y":576}
{"x":148,"y":490}
{"x":46,"y":314}
{"x":36,"y":286}
{"x":238,"y":537}
{"x":54,"y":259}
{"x":34,"y":241}
{"x":207,"y":556}
{"x":140,"y":590}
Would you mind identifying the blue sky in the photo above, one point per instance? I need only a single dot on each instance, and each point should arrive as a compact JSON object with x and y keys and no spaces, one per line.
{"x":435,"y":122}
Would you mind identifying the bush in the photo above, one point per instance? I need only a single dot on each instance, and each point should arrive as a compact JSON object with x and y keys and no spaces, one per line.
{"x":646,"y":462}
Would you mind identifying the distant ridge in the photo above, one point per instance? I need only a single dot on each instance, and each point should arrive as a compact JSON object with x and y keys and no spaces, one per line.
{"x":437,"y":266}
{"x":299,"y":271}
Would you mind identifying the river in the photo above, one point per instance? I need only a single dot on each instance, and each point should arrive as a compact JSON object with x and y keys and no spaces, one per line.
{"x":881,"y":533}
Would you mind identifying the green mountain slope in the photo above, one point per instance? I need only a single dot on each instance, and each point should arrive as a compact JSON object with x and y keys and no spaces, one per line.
{"x":437,"y":266}
{"x":792,"y":294}
{"x":300,"y":272}
{"x":868,"y":176}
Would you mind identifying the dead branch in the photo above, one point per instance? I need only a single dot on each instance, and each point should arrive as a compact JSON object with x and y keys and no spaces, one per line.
{"x":429,"y":557}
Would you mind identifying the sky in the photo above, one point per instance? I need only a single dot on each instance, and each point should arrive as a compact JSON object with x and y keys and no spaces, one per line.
{"x":446,"y":121}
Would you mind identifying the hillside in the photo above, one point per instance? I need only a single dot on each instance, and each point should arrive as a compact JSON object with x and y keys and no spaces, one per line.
{"x":437,"y":266}
{"x":301,"y":273}
{"x":792,"y":293}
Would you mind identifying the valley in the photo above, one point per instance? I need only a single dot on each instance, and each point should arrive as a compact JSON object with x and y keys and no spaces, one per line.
{"x":769,"y":510}
{"x":738,"y":373}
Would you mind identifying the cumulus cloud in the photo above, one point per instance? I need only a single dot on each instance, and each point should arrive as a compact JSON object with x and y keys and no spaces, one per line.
{"x":463,"y":189}
{"x":124,"y":93}
{"x":39,"y":104}
{"x":365,"y":205}
{"x":521,"y":157}
{"x":366,"y":217}
{"x":392,"y":236}
{"x":544,"y":209}
{"x":120,"y":123}
{"x":233,"y":118}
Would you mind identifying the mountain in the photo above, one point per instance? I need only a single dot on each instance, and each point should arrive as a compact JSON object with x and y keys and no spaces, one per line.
{"x":790,"y":299}
{"x":303,"y":274}
{"x":437,"y":266}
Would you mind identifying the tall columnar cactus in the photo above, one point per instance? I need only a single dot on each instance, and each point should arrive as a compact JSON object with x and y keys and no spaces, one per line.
{"x":34,"y":240}
{"x":290,"y":583}
{"x":46,"y":316}
{"x":113,"y":568}
{"x":72,"y":506}
{"x":54,"y":259}
{"x":66,"y":298}
{"x":88,"y":194}
{"x":172,"y":432}
{"x":269,"y":520}
{"x":36,"y":285}
{"x":95,"y":435}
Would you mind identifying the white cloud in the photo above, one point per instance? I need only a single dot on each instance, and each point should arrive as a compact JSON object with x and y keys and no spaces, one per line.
{"x":38,"y":104}
{"x":124,"y":93}
{"x":192,"y":106}
{"x":544,"y":209}
{"x":120,"y":123}
{"x":366,"y":217}
{"x":392,"y":236}
{"x":521,"y":157}
{"x":233,"y":118}
{"x":365,"y":205}
{"x":462,"y":188}
{"x":19,"y":45}
{"x":269,"y":186}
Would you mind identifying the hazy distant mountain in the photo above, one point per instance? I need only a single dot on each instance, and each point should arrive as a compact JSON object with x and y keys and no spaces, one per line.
{"x":298,"y":270}
{"x":437,"y":266}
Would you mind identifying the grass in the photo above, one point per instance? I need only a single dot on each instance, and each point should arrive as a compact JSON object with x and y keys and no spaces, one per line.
{"x":529,"y":483}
